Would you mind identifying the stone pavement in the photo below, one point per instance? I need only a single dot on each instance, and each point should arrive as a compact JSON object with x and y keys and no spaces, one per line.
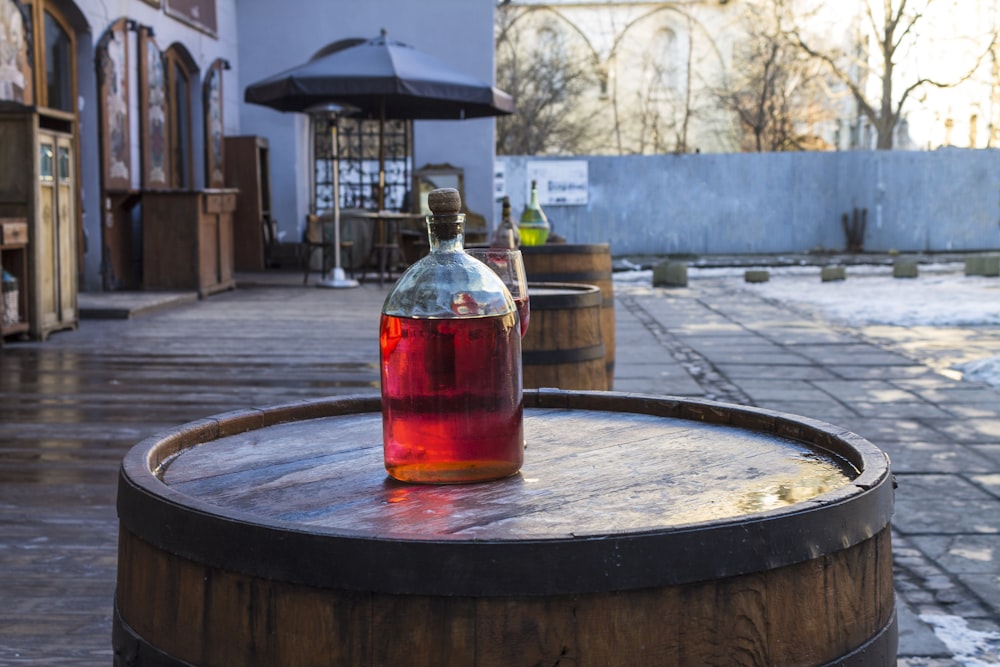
{"x":714,"y":340}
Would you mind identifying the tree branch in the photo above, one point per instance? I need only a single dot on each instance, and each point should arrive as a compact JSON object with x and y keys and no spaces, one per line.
{"x":859,"y":95}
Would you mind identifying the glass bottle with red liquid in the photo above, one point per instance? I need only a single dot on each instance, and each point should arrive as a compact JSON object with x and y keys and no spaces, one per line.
{"x":450,"y":344}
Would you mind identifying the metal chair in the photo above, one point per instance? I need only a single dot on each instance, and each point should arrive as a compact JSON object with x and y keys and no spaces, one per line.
{"x":318,"y":235}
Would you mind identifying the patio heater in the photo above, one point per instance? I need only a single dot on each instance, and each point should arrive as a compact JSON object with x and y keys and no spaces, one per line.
{"x":340,"y":279}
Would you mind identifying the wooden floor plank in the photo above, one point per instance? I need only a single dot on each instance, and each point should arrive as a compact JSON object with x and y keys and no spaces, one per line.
{"x":71,"y":407}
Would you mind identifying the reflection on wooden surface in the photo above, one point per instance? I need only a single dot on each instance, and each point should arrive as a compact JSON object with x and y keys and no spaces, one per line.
{"x":71,"y":407}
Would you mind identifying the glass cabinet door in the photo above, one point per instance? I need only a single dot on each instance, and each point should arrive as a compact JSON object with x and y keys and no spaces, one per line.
{"x":56,"y":230}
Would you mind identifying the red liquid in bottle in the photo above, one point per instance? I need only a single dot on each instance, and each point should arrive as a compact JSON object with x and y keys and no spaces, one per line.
{"x":451,"y":398}
{"x":524,"y":312}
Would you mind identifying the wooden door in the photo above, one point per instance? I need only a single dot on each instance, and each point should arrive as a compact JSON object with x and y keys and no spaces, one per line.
{"x":247,"y":170}
{"x":66,"y":226}
{"x":46,"y":239}
{"x":208,"y":250}
{"x":55,"y":233}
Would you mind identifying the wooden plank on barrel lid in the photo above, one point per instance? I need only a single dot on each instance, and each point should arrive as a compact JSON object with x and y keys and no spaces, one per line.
{"x":328,"y":472}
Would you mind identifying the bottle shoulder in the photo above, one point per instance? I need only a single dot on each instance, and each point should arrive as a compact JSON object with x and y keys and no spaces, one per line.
{"x":448,"y":285}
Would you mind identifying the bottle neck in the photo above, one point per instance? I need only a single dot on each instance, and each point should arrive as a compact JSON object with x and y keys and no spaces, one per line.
{"x":446,"y":233}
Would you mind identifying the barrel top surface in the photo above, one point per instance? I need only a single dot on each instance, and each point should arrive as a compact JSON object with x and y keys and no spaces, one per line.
{"x":618,"y":491}
{"x":586,"y":472}
{"x":561,"y":289}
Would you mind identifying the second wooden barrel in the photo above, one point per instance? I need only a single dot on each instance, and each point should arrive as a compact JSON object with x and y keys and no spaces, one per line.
{"x":586,"y":264}
{"x":563,"y":347}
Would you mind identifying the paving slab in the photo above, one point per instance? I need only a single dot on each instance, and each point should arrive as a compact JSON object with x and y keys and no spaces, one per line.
{"x":991,"y":452}
{"x":780,"y":390}
{"x":943,"y":504}
{"x":984,"y":430}
{"x":919,"y":638}
{"x":829,"y":411}
{"x":929,"y":458}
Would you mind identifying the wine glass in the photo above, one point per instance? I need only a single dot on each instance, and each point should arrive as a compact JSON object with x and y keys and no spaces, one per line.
{"x":509,"y":265}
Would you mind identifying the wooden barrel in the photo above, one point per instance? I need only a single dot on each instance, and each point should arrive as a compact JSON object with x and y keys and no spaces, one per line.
{"x":642,"y":530}
{"x":563,"y":347}
{"x":581,"y":264}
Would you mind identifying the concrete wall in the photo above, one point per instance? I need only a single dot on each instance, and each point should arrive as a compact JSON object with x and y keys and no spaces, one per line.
{"x":275,"y":36}
{"x":779,"y":202}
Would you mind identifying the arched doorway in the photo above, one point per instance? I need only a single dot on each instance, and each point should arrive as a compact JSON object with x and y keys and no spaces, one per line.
{"x":181,"y":73}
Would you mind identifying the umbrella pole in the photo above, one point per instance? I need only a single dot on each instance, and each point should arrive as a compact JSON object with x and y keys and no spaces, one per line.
{"x":384,"y":253}
{"x":381,"y":155}
{"x":340,"y":280}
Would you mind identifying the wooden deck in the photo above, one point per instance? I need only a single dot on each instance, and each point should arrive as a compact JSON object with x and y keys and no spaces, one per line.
{"x":72,"y":406}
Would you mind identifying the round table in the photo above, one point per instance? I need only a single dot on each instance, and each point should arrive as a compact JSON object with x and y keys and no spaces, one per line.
{"x":641,"y":530}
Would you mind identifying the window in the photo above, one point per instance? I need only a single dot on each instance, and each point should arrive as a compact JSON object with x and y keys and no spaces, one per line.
{"x":154,"y":113}
{"x":212,"y":96}
{"x":180,"y":74}
{"x":667,"y":59}
{"x":40,"y":25}
{"x":58,"y":64}
{"x":358,"y":174}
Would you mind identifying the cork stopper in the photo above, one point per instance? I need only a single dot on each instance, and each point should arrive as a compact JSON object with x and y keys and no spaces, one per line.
{"x":444,"y":201}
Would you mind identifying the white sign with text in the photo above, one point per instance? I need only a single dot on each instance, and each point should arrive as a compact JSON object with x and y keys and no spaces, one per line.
{"x":560,"y":182}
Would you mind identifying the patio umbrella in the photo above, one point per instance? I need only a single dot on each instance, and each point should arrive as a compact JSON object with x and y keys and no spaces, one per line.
{"x":384,"y":79}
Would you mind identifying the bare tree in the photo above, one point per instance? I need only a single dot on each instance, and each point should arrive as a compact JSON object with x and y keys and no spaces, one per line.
{"x":548,"y":83}
{"x":774,"y":92}
{"x":993,"y":137}
{"x":888,"y":29}
{"x":621,"y":93}
{"x":655,"y":113}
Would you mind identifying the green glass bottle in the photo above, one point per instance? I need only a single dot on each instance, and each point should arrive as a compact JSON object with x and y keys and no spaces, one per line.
{"x":534,"y":225}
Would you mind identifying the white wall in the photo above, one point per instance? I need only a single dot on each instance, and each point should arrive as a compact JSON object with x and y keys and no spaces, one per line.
{"x":275,"y":36}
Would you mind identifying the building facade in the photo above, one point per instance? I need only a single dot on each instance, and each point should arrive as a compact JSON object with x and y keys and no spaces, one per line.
{"x":653,"y":67}
{"x":660,"y":69}
{"x":148,"y":93}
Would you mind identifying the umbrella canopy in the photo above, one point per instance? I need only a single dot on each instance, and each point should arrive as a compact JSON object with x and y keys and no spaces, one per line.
{"x":384,"y":78}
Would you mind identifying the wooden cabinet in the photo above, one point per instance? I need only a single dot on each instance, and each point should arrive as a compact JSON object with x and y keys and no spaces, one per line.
{"x":187,"y":240}
{"x":43,"y":193}
{"x":248,"y":170}
{"x":14,"y":264}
